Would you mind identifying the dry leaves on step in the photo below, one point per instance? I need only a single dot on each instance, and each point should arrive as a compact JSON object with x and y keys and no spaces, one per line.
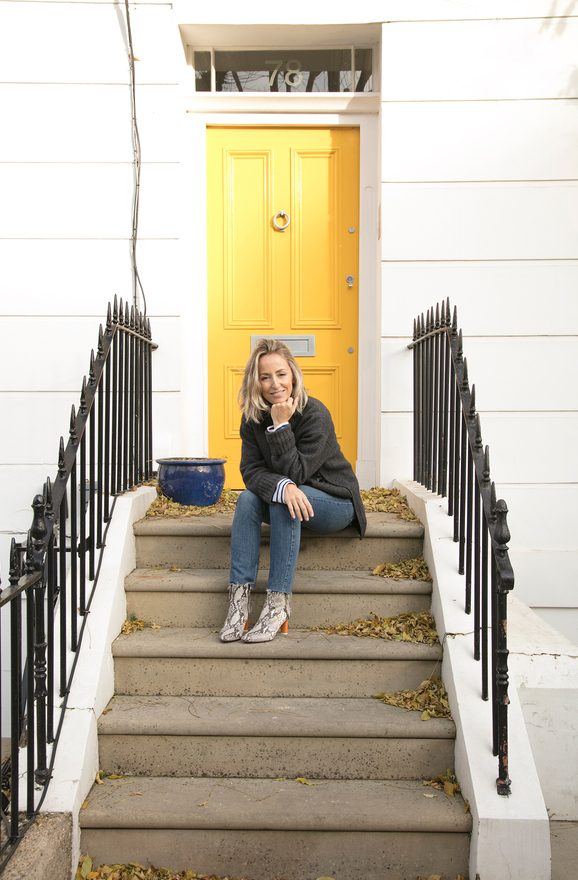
{"x":135,"y":871}
{"x":133,"y":624}
{"x":430,"y":698}
{"x":166,"y":507}
{"x":439,"y":877}
{"x":446,"y":782}
{"x":416,"y":627}
{"x":408,"y":569}
{"x":378,"y":500}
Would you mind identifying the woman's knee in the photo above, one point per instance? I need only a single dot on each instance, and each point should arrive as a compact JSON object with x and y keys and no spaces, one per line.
{"x":248,"y":503}
{"x":331,"y":514}
{"x":246,"y":497}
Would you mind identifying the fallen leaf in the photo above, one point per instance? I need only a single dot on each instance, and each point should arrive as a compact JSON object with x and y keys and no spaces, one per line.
{"x":115,"y":776}
{"x":97,"y":778}
{"x":412,"y":627}
{"x":415,"y":569}
{"x":135,"y":793}
{"x":85,"y":866}
{"x":425,"y":716}
{"x":204,"y":804}
{"x":85,"y":804}
{"x":134,"y":625}
{"x":467,"y":807}
{"x":304,"y":781}
{"x":430,"y":697}
{"x":447,"y":783}
{"x":429,"y":795}
{"x":379,"y":500}
{"x":166,"y":507}
{"x":106,"y":711}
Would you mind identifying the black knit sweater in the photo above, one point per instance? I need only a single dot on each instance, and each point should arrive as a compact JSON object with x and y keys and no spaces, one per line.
{"x":306,"y":451}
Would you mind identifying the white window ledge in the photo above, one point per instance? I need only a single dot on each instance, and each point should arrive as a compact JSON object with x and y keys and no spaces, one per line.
{"x":270,"y":102}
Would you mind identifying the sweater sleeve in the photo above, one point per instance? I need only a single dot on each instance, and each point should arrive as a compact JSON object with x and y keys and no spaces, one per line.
{"x":300,"y":450}
{"x":257,"y":476}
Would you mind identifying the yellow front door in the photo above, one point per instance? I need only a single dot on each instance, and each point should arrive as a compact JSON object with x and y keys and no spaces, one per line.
{"x":300,"y":281}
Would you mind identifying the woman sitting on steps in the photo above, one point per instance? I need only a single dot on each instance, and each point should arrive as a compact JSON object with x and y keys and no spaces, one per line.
{"x":294,"y":471}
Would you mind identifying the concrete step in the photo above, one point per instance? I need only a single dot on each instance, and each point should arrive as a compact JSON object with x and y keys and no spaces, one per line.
{"x":205,"y":542}
{"x":199,"y":598}
{"x":355,"y":830}
{"x":267,"y":738}
{"x":193,"y":662}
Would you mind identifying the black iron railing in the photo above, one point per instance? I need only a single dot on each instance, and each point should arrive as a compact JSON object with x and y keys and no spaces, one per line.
{"x":54,"y":573}
{"x":450,"y":459}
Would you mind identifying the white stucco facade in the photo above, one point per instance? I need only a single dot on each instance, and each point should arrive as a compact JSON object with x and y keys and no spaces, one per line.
{"x":469,"y":190}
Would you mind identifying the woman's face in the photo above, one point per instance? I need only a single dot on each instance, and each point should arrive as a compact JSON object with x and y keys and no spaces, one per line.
{"x":276,"y":378}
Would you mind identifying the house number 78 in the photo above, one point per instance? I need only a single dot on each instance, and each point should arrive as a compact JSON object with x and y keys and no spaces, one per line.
{"x":293,"y":68}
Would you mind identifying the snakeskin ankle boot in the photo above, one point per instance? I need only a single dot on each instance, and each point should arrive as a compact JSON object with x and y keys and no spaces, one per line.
{"x":276,"y":611}
{"x":239,"y":607}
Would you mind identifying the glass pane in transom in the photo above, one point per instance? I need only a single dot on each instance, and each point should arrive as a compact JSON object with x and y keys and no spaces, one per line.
{"x":283,"y":70}
{"x":363,"y":70}
{"x":202,"y":64}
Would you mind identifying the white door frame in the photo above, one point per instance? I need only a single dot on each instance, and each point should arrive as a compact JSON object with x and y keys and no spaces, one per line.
{"x":194,"y":309}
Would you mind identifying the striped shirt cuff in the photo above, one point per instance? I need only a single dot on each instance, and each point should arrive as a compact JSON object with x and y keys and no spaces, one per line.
{"x":279,"y":495}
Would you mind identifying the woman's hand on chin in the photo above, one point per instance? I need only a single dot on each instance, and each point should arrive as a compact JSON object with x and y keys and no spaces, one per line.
{"x":282,"y":412}
{"x":298,"y":503}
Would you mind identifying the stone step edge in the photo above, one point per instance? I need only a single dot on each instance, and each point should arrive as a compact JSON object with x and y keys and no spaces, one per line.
{"x":152,"y":580}
{"x":379,"y":525}
{"x":203,"y":643}
{"x":265,"y":804}
{"x":264,"y":717}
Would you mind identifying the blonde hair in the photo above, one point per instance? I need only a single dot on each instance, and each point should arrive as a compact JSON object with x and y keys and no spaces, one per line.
{"x":251,"y":400}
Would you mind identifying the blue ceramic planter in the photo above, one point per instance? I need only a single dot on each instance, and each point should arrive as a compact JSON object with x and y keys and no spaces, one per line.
{"x":192,"y":481}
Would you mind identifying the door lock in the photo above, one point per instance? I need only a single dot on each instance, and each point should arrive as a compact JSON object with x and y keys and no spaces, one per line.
{"x":350,"y":279}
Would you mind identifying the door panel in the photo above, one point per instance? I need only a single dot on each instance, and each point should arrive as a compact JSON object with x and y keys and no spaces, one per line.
{"x":315,"y":292}
{"x":246,"y":240}
{"x":263,"y":281}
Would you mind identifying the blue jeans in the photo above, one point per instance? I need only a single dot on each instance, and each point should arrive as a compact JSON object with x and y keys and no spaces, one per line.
{"x":331,"y":515}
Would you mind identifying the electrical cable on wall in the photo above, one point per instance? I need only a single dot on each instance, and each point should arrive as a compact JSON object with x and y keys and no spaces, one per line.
{"x":137,"y":165}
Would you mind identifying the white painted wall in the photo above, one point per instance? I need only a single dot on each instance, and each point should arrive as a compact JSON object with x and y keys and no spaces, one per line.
{"x":66,"y":177}
{"x":480,"y":203}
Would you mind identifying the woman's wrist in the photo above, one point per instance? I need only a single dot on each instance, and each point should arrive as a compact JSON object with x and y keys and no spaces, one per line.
{"x":279,"y":494}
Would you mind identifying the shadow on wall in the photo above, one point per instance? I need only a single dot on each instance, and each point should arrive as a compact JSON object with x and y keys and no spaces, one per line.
{"x":556,"y":23}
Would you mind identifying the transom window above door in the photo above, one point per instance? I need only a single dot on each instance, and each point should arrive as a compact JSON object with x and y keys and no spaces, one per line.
{"x":284,"y":70}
